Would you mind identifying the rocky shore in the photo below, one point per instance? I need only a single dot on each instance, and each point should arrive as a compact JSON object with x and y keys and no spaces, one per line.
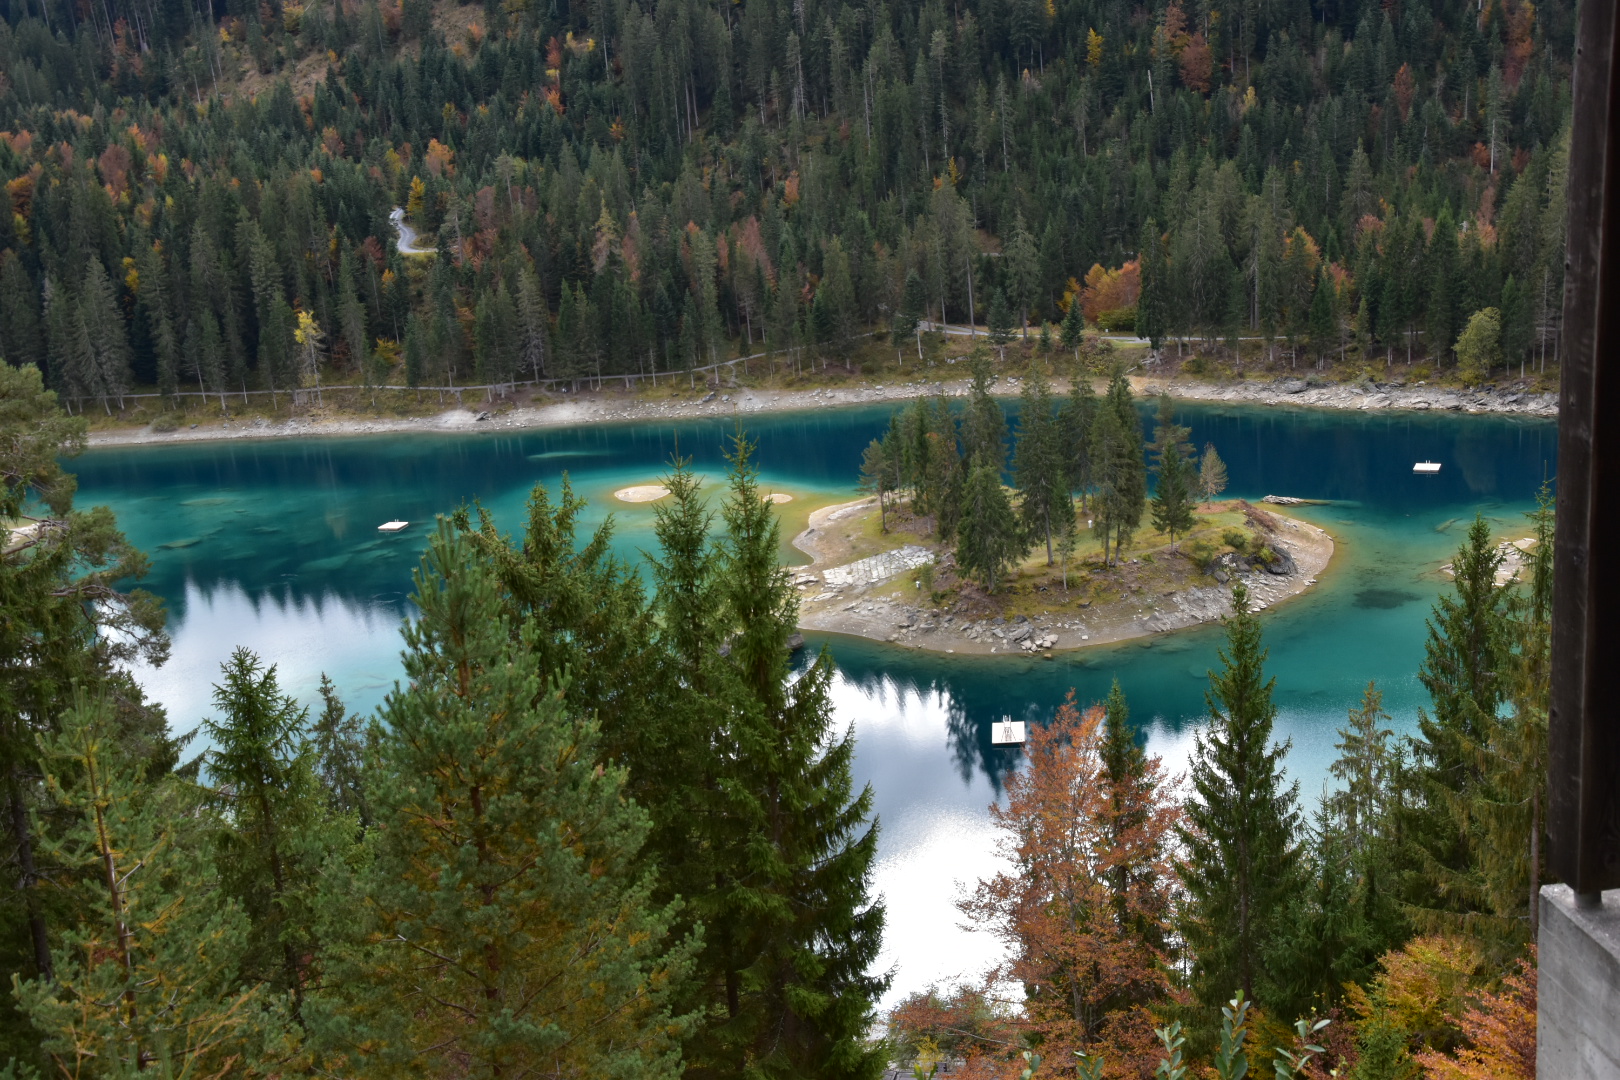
{"x":611,"y":405}
{"x":859,"y":598}
{"x":1365,"y":395}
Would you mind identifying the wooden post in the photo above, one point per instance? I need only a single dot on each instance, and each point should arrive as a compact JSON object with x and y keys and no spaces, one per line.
{"x":1584,"y":723}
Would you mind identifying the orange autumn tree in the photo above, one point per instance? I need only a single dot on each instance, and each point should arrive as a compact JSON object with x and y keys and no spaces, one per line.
{"x":1111,"y":295}
{"x":1085,"y":907}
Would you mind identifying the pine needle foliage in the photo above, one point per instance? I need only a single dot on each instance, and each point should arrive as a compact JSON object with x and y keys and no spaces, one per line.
{"x":507,"y":928}
{"x":148,"y":979}
{"x":1241,"y":860}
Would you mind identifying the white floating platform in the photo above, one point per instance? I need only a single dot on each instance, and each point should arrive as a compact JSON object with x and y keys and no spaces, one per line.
{"x":1008,"y":732}
{"x":392,"y":526}
{"x":1426,"y":467}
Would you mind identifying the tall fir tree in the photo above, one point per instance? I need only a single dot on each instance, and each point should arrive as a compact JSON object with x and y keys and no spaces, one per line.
{"x":989,"y":540}
{"x":1241,"y":851}
{"x":803,"y":992}
{"x":1045,"y":505}
{"x":1172,"y":494}
{"x":262,"y":772}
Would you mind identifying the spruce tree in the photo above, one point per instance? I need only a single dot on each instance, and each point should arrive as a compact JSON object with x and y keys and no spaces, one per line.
{"x":1241,"y":849}
{"x":989,"y":541}
{"x":338,"y":739}
{"x":262,"y":772}
{"x":505,"y":920}
{"x":1172,"y":495}
{"x":1045,"y":506}
{"x":1152,"y":305}
{"x":984,"y":425}
{"x":1075,"y":423}
{"x":808,"y":931}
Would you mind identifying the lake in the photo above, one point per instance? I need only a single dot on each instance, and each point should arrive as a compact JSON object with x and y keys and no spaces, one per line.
{"x":273,"y":544}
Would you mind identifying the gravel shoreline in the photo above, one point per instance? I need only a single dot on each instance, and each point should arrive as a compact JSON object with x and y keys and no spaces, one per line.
{"x":610,"y":406}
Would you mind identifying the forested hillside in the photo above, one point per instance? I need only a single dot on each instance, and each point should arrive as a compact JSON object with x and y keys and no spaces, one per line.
{"x":200,"y":196}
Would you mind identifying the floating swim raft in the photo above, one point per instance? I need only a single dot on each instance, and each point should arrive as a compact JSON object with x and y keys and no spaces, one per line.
{"x":392,"y":526}
{"x":1007,"y":732}
{"x":1426,"y":467}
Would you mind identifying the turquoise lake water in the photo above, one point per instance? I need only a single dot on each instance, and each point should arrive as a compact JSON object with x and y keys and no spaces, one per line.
{"x":273,"y":545}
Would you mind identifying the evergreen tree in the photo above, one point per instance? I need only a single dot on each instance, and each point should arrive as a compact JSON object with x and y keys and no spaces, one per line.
{"x":801,"y":1000}
{"x":984,"y":425}
{"x":262,"y":767}
{"x":1001,"y":325}
{"x":876,"y":476}
{"x":506,"y":922}
{"x":106,"y":364}
{"x":1119,"y":469}
{"x":1241,"y":840}
{"x":338,"y":740}
{"x":1074,"y":326}
{"x":21,"y":336}
{"x":1075,"y":423}
{"x":1172,"y":495}
{"x":148,"y":976}
{"x":1152,"y":306}
{"x":989,"y":541}
{"x":1466,"y":670}
{"x":1045,"y":506}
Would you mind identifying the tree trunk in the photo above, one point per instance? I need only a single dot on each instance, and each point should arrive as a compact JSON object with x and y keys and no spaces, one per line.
{"x":27,"y":877}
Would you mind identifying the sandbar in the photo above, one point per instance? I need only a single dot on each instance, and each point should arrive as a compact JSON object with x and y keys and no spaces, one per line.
{"x":641,"y":493}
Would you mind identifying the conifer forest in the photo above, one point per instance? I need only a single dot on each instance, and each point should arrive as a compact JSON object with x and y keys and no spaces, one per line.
{"x":605,"y":825}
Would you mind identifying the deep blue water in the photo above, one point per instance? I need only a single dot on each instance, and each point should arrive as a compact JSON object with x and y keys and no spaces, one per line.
{"x":273,"y":545}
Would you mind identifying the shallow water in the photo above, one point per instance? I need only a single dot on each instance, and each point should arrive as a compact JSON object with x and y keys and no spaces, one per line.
{"x":273,"y":545}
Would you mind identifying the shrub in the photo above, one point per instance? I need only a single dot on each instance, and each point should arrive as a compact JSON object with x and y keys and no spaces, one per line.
{"x":166,"y":423}
{"x":1202,"y":553}
{"x":1195,"y":365}
{"x":1235,"y":538}
{"x":1117,"y":321}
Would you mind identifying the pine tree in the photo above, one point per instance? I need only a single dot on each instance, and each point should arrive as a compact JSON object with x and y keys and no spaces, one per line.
{"x":1172,"y":497}
{"x":1075,"y":424}
{"x":1152,"y":306}
{"x":1074,"y":326}
{"x":1001,"y":324}
{"x":21,"y":336}
{"x":338,"y":740}
{"x":989,"y":541}
{"x":1242,"y":854}
{"x":984,"y":425}
{"x":1045,"y":506}
{"x":1023,"y":271}
{"x":262,"y":770}
{"x":876,"y":474}
{"x":506,"y":922}
{"x":107,"y":364}
{"x":148,"y":976}
{"x":1120,"y":472}
{"x":1467,"y":671}
{"x":808,"y":929}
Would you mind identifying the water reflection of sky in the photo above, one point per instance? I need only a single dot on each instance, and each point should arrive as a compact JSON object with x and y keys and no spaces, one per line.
{"x":273,"y":545}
